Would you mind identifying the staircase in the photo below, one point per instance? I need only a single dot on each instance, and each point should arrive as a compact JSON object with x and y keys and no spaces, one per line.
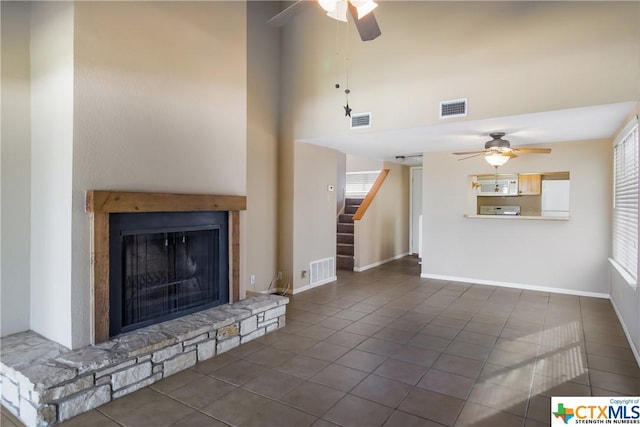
{"x":344,"y":248}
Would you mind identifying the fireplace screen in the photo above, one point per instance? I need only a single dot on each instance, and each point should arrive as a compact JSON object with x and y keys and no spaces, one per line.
{"x":164,"y":272}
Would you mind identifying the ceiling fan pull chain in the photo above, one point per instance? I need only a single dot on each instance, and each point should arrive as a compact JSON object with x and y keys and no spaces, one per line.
{"x":337,"y":54}
{"x":348,"y":53}
{"x":347,"y":91}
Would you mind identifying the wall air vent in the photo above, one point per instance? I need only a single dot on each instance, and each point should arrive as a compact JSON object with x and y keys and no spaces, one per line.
{"x":453,"y":108}
{"x":360,"y":120}
{"x":322,"y":271}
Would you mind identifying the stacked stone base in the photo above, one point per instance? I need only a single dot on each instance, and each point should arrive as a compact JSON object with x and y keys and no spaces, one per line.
{"x":44,"y":383}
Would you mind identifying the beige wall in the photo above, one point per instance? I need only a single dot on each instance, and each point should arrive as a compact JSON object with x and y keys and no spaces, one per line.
{"x":161,"y":91}
{"x":383,"y":233}
{"x":148,"y":96}
{"x":15,"y":169}
{"x":314,"y":214}
{"x":156,"y":109}
{"x":567,"y":256}
{"x":262,"y":146}
{"x":363,"y":164}
{"x":291,"y":82}
{"x":538,"y":56}
{"x":159,"y":103}
{"x":341,"y":182}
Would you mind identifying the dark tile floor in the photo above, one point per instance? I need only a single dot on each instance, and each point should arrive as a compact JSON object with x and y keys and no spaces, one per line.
{"x":386,"y":348}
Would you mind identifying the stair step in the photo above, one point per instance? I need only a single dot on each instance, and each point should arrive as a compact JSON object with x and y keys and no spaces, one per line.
{"x":345,"y":219}
{"x":350,"y":201}
{"x":345,"y":238}
{"x":344,"y":249}
{"x":345,"y":228}
{"x":351,"y":209}
{"x":344,"y":262}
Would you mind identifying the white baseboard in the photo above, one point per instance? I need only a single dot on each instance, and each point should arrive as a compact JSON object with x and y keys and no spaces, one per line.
{"x":516,"y":286}
{"x":314,"y":285}
{"x":376,"y":264}
{"x":634,"y":349}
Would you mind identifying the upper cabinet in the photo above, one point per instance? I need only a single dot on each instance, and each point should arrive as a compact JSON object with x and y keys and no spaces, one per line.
{"x":529,"y":184}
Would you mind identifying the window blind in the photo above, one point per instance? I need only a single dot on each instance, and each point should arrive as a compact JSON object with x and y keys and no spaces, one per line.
{"x":358,"y":184}
{"x":625,"y":203}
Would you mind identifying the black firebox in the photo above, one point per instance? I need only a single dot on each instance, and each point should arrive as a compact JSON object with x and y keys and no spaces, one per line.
{"x":164,"y":265}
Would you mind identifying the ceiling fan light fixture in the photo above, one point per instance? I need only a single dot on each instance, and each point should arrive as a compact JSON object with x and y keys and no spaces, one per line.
{"x":339,"y":10}
{"x":364,"y":7}
{"x":496,"y":159}
{"x":328,"y":5}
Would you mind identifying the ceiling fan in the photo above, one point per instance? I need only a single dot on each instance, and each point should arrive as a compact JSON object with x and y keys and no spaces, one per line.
{"x":361,"y":11}
{"x":498,"y":151}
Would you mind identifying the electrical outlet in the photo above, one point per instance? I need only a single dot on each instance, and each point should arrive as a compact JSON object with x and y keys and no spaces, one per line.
{"x":252,"y":278}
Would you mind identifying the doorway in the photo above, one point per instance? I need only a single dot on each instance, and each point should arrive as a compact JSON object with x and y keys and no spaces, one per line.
{"x":415,"y":209}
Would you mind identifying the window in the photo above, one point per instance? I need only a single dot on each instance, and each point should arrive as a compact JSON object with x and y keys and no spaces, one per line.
{"x":359,"y":183}
{"x":625,"y":201}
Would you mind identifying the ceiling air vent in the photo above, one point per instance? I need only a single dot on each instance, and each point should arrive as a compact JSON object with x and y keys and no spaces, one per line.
{"x":453,"y":108}
{"x":361,"y":120}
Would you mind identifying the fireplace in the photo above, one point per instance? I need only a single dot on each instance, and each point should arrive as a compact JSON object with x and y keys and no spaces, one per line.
{"x":104,"y":204}
{"x":165,"y":265}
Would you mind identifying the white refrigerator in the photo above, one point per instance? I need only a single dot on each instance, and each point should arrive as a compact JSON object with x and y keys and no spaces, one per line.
{"x":555,"y":198}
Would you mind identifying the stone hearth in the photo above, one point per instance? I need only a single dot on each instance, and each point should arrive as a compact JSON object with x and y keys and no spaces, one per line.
{"x":44,"y":383}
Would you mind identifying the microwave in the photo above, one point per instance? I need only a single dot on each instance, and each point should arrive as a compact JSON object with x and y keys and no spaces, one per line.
{"x":497,"y":185}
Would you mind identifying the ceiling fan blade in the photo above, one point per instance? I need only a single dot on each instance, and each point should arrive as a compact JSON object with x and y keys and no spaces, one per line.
{"x":533,"y":150}
{"x":282,"y":18}
{"x":367,"y":25}
{"x":462,"y":153}
{"x":469,"y":157}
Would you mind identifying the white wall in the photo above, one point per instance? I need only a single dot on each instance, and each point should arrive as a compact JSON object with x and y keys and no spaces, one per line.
{"x":15,"y":151}
{"x":567,"y":256}
{"x":52,"y":110}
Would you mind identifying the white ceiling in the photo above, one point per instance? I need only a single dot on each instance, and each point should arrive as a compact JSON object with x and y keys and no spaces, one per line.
{"x":573,"y":124}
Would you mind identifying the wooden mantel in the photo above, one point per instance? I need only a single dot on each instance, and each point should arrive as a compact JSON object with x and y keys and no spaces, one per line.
{"x":102,"y":203}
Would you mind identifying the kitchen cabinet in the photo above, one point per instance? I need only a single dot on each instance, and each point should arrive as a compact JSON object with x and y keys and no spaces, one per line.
{"x":529,"y":184}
